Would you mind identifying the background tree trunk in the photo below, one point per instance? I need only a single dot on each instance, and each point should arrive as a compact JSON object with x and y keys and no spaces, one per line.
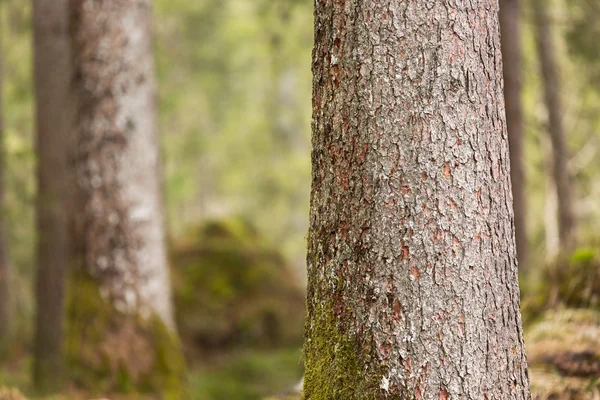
{"x":120,"y":240}
{"x":551,"y":79}
{"x":511,"y":60}
{"x":53,"y":128}
{"x":412,"y":269}
{"x":4,"y":265}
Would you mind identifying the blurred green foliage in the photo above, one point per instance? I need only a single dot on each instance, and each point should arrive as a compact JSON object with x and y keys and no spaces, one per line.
{"x":576,"y":44}
{"x":235,"y":113}
{"x":231,"y":289}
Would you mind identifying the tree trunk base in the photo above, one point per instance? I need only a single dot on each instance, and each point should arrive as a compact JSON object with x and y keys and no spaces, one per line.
{"x":109,"y":351}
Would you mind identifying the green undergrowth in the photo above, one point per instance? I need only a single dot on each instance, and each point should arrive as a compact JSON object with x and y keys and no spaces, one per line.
{"x":241,"y":375}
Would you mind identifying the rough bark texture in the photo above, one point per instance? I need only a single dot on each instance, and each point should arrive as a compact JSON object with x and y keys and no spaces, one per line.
{"x":120,"y":240}
{"x":412,"y":268}
{"x":4,"y":266}
{"x":551,"y":83}
{"x":53,"y":128}
{"x":511,"y":59}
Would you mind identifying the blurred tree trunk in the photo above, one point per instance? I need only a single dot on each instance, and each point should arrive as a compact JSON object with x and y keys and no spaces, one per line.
{"x":511,"y":60}
{"x":53,"y":128}
{"x":551,"y":84}
{"x":4,"y":265}
{"x":121,"y":288}
{"x":412,"y":269}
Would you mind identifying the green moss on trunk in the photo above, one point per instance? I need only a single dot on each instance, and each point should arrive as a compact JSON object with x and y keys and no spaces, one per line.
{"x":333,"y":360}
{"x":108,"y":351}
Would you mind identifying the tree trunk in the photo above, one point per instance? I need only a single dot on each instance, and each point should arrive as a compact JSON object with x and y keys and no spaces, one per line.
{"x":121,"y":289}
{"x":4,"y":266}
{"x":53,"y":128}
{"x":511,"y":59}
{"x":551,"y":83}
{"x":412,"y":268}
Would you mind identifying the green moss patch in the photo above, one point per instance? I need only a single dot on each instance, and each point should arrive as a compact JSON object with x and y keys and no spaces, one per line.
{"x":333,"y":361}
{"x":573,"y":281}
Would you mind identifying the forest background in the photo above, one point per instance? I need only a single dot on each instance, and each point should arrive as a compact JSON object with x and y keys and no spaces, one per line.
{"x":234,"y":115}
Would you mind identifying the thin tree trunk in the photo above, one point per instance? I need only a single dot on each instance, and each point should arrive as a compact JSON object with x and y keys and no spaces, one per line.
{"x":53,"y":128}
{"x":412,"y":268}
{"x":551,"y":83}
{"x":511,"y":59}
{"x":120,"y":239}
{"x":4,"y":265}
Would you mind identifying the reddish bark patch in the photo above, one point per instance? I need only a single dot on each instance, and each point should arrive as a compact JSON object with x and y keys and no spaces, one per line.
{"x":443,"y":394}
{"x":337,"y":75}
{"x":404,"y":252}
{"x":447,"y":170}
{"x":397,"y":310}
{"x":455,"y":244}
{"x":407,"y":365}
{"x":337,"y":43}
{"x":415,"y":272}
{"x":418,"y":395}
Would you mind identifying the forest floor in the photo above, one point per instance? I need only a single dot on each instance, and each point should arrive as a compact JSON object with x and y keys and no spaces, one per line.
{"x":242,"y":375}
{"x":563,"y":350}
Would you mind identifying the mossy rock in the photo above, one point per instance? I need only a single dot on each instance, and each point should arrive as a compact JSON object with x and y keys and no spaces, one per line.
{"x":572,"y":281}
{"x":575,"y":282}
{"x":11,"y":394}
{"x":563,"y":350}
{"x":112,"y":352}
{"x":231,"y":289}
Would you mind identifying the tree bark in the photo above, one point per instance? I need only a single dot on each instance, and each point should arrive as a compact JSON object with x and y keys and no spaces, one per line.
{"x":511,"y":59}
{"x":412,"y":269}
{"x":4,"y":265}
{"x":120,"y":239}
{"x":551,"y":84}
{"x":53,"y":127}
